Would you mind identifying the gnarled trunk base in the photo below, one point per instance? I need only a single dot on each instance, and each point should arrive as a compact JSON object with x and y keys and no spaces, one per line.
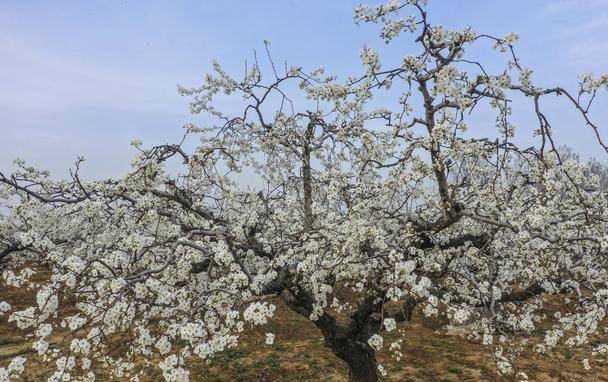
{"x":360,"y":358}
{"x":348,"y":342}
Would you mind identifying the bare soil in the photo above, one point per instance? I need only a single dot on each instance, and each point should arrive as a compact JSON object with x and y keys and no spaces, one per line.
{"x":299,"y":354}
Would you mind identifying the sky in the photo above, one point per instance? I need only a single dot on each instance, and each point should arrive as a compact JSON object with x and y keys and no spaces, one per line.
{"x":86,"y":77}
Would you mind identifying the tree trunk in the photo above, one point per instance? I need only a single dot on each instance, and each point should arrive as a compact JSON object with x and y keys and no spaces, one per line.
{"x":307,"y":176}
{"x":348,"y":342}
{"x":360,"y":358}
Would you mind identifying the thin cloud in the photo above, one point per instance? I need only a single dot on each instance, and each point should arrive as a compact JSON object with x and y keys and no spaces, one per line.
{"x":588,"y":52}
{"x":32,"y":75}
{"x":567,"y":5}
{"x":574,"y":29}
{"x":594,"y":24}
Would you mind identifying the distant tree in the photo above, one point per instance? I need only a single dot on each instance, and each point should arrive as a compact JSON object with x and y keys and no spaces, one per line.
{"x":395,"y":204}
{"x":599,"y":169}
{"x":594,"y":167}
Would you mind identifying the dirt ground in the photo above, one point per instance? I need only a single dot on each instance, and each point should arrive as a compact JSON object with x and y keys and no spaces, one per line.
{"x":298,"y":354}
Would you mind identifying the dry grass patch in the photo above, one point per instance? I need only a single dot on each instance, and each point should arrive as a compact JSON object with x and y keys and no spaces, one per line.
{"x":299,"y":354}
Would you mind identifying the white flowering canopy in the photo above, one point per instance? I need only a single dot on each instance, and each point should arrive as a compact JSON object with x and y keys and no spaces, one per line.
{"x":398,"y":204}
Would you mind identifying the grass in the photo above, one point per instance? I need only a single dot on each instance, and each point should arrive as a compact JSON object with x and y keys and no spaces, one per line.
{"x":299,"y":355}
{"x":10,"y":355}
{"x":12,"y":341}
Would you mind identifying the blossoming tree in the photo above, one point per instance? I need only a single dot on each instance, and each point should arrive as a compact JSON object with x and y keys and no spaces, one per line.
{"x":361,"y":215}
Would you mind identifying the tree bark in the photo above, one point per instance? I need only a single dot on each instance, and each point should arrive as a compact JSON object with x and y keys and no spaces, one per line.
{"x":360,"y":358}
{"x":347,"y":342}
{"x":307,"y":176}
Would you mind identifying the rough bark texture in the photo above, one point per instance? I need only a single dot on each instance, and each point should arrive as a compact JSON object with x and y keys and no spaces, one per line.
{"x":307,"y":176}
{"x":348,"y":342}
{"x":360,"y":358}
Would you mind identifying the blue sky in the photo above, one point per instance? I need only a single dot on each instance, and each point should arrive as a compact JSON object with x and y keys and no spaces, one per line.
{"x":85,"y":77}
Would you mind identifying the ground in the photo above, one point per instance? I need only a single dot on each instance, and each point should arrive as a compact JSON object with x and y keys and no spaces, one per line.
{"x":298,"y":354}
